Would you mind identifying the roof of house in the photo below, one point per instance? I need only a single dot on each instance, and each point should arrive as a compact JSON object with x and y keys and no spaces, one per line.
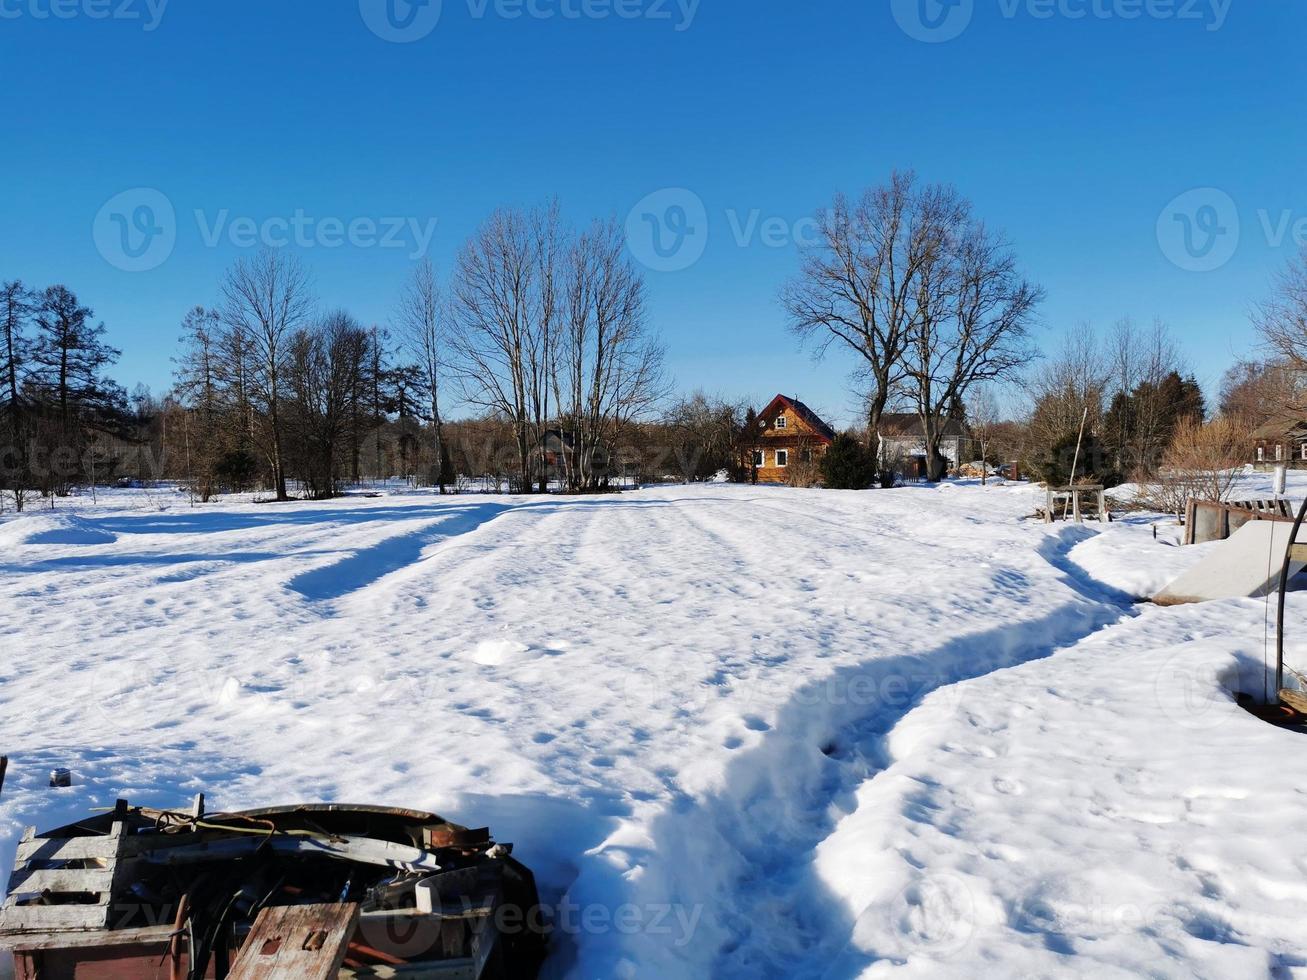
{"x":1280,"y":428}
{"x":909,"y":424}
{"x":802,"y":411}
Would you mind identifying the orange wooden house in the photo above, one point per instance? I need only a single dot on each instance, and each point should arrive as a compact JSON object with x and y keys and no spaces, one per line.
{"x":789,"y":433}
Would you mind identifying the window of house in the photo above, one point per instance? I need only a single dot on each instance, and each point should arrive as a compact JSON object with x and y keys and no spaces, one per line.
{"x":1304,"y":450}
{"x":780,"y":422}
{"x":782,"y":457}
{"x":805,"y":455}
{"x":1279,"y":452}
{"x":758,"y":457}
{"x":1261,"y":454}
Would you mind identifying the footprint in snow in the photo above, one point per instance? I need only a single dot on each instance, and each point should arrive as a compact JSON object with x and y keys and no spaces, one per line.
{"x":504,"y":653}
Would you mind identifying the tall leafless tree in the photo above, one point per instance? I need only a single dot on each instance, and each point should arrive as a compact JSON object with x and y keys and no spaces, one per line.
{"x":610,"y":368}
{"x":972,"y":314}
{"x":504,"y":314}
{"x":266,"y":299}
{"x":423,"y":327}
{"x":322,"y":364}
{"x":859,"y":285}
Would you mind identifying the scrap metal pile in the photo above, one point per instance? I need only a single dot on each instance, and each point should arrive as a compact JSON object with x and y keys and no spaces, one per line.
{"x":303,"y":891}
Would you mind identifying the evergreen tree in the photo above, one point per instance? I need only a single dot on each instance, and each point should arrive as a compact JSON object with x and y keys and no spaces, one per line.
{"x":68,"y":362}
{"x":848,"y":464}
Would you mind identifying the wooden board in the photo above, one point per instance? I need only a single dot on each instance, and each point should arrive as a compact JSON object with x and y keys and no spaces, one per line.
{"x":296,"y":942}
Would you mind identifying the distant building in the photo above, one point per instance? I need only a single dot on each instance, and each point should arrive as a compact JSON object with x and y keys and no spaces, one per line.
{"x":1282,"y":441}
{"x":789,"y":433}
{"x":560,"y":454}
{"x":905,"y":436}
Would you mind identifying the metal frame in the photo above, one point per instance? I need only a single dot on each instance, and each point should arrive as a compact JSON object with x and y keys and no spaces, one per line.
{"x":1284,"y":589}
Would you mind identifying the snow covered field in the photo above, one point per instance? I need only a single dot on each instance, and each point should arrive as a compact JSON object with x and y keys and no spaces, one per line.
{"x":737,"y":732}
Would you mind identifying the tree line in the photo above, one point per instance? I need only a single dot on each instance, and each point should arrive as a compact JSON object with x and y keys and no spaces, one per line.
{"x":541,"y":329}
{"x":56,"y":401}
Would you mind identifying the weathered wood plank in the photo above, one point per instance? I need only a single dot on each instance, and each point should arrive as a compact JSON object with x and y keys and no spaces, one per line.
{"x":144,"y":935}
{"x":67,"y":849}
{"x":93,"y":880}
{"x":297,"y":942}
{"x":43,"y":918}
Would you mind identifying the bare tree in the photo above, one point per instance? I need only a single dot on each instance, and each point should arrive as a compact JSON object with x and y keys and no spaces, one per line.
{"x":857,"y":286}
{"x":982,"y":412}
{"x":972,"y":313}
{"x":610,"y":369}
{"x":423,"y":327}
{"x":198,"y":386}
{"x":266,"y":299}
{"x":1282,"y":319}
{"x":505,"y":309}
{"x":1070,"y":386}
{"x":1258,"y":392}
{"x":322,"y":365}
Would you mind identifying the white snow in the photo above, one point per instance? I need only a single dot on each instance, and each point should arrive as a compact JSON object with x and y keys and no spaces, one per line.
{"x":737,"y":731}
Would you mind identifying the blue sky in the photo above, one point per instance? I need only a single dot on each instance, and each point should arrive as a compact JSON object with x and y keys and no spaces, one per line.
{"x":1074,"y":134}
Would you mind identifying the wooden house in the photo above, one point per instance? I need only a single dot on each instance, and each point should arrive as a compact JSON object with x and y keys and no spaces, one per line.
{"x":789,"y":434}
{"x":1281,"y":442}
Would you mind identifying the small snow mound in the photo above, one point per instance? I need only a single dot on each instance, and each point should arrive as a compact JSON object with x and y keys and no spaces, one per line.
{"x":503,"y":653}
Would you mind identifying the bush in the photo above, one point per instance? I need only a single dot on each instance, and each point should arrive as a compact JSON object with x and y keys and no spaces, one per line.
{"x":1053,"y":465}
{"x":848,"y":465}
{"x":1202,"y":463}
{"x":236,"y":470}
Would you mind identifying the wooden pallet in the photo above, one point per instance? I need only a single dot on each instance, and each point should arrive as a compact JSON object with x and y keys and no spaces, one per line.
{"x":63,"y":883}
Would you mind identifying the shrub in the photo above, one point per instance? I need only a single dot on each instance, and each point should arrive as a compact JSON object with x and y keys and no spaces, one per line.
{"x":848,"y":465}
{"x":1201,"y":464}
{"x":236,"y":470}
{"x":1054,"y":464}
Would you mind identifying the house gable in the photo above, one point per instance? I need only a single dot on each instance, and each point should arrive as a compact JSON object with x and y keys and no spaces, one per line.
{"x":789,"y":419}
